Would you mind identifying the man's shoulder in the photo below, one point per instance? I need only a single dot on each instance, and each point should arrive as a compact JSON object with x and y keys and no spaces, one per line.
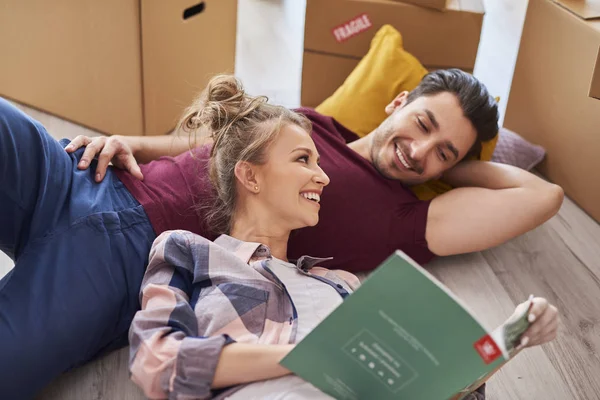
{"x":324,"y":122}
{"x":310,"y":112}
{"x":327,"y":127}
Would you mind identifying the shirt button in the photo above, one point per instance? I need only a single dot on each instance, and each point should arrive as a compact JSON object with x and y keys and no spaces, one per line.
{"x":339,"y":286}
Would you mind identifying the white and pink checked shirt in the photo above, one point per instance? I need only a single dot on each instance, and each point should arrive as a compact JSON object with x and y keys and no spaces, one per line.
{"x":198,"y":296}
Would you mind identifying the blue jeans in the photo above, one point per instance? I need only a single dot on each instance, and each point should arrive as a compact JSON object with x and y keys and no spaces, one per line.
{"x":80,"y":250}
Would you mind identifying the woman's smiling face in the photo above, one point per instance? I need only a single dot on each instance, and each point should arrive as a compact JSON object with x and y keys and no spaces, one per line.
{"x":291,"y":180}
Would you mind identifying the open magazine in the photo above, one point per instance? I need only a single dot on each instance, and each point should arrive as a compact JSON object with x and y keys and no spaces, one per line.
{"x":403,"y":335}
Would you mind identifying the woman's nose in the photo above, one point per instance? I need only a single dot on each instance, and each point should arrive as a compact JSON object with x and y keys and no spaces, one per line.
{"x":322,"y":178}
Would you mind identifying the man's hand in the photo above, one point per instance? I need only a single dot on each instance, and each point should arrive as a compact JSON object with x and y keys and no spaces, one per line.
{"x":115,"y":149}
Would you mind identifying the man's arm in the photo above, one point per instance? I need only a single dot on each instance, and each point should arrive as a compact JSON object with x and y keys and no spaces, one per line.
{"x":491,"y":204}
{"x":126,"y":152}
{"x":150,"y":148}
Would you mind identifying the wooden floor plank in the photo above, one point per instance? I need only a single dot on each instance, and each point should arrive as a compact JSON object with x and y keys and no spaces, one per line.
{"x":580,"y":233}
{"x":542,"y":263}
{"x":106,"y":378}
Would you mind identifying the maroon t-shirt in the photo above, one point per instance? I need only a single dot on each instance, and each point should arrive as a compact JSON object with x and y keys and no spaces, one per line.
{"x":364,"y":217}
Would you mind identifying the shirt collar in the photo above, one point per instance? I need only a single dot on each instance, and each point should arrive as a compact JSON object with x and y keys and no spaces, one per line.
{"x":305,"y":263}
{"x":247,"y":250}
{"x":243,"y":250}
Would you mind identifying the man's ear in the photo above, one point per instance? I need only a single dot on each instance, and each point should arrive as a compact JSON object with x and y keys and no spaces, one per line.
{"x":246,"y":174}
{"x":398,"y":102}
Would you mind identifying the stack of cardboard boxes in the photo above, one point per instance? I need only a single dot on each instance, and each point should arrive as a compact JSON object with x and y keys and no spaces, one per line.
{"x":118,"y":66}
{"x":440,"y":33}
{"x":555,"y":94}
{"x":131,"y":66}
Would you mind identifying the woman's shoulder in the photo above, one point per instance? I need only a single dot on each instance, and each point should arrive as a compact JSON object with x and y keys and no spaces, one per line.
{"x":194,"y":253}
{"x":181,"y":236}
{"x":223,"y":249}
{"x":181,"y":241}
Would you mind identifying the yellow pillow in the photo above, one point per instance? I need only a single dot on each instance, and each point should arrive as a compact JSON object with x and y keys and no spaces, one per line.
{"x":385,"y":71}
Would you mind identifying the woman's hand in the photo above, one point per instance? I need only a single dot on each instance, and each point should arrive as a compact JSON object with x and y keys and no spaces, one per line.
{"x":117,"y":149}
{"x":544,"y":323}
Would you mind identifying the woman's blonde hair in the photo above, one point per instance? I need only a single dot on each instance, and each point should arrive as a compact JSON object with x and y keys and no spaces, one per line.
{"x":242,"y":128}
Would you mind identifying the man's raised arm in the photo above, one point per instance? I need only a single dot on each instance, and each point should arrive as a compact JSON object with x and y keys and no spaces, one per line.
{"x":491,"y":204}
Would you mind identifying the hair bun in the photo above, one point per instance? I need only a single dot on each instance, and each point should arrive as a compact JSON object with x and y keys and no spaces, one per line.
{"x":225,"y":88}
{"x":221,"y":104}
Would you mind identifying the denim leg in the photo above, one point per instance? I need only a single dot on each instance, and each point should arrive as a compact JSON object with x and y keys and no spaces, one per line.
{"x":80,"y":251}
{"x":35,"y":175}
{"x":71,"y":297}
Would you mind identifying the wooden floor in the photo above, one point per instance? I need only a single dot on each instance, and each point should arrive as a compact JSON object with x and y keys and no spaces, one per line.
{"x":560,"y":260}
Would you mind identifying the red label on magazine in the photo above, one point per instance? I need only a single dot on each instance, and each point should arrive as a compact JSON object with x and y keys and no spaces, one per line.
{"x":351,"y":28}
{"x":487,"y":349}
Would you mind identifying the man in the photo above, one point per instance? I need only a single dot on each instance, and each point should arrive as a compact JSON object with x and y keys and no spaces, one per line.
{"x":427,"y":135}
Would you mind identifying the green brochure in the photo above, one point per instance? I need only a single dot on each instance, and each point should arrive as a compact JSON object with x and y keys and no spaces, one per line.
{"x":402,"y":335}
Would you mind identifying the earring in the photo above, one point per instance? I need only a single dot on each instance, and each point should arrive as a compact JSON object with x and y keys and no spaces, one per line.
{"x":256,"y":188}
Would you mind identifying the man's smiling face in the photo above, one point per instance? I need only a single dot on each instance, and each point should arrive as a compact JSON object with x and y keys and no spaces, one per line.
{"x":420,"y":140}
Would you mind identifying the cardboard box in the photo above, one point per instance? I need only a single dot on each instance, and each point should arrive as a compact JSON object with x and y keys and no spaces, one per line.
{"x":338,"y":34}
{"x":437,"y":4}
{"x":322,"y":74}
{"x":595,"y":85}
{"x":552,"y":102}
{"x":118,"y":66}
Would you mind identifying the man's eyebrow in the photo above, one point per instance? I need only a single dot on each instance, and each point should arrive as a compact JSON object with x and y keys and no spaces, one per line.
{"x":432,"y":118}
{"x":453,"y":149}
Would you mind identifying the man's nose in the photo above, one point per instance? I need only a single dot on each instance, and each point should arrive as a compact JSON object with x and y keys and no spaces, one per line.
{"x":420,"y":148}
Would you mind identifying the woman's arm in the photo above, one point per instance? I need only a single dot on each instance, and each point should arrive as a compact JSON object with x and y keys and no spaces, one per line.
{"x":169,"y":357}
{"x":243,"y":363}
{"x":491,"y":204}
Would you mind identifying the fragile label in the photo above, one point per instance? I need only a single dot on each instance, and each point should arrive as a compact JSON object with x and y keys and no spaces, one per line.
{"x":487,"y":349}
{"x":352,"y":28}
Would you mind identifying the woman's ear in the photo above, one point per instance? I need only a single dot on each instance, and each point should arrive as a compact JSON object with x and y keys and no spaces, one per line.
{"x":246,"y":174}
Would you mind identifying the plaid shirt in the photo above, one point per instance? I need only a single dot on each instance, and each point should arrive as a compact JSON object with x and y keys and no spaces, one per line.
{"x":198,"y":296}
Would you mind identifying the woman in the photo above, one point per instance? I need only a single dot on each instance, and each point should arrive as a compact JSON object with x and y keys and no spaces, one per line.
{"x":223,"y":314}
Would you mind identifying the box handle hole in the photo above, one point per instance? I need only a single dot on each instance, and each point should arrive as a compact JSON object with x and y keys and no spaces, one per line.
{"x":194,"y":10}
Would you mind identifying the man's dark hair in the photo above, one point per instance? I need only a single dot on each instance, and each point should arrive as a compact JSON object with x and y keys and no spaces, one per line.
{"x":476,"y":102}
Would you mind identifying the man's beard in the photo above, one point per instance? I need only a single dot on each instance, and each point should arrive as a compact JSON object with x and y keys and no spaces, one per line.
{"x":377,"y":146}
